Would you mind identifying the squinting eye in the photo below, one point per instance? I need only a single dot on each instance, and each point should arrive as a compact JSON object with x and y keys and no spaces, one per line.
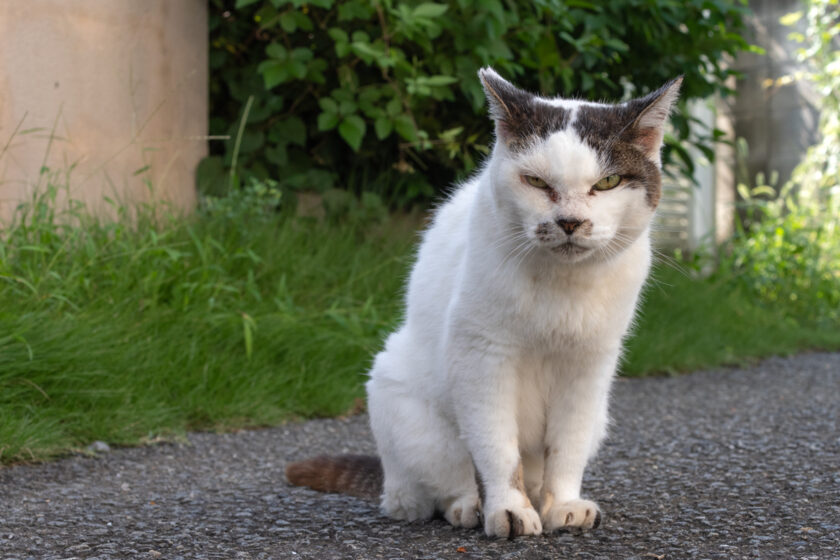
{"x":535,"y":181}
{"x":607,"y":183}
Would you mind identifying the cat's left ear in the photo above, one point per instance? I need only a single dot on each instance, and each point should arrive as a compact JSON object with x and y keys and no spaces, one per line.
{"x":510,"y":107}
{"x":649,"y":126}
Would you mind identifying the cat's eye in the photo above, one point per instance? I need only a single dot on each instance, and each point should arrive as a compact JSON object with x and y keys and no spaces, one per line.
{"x":607,"y":183}
{"x":535,"y":181}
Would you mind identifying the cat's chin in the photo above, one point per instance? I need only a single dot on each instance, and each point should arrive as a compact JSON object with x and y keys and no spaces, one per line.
{"x":568,"y":249}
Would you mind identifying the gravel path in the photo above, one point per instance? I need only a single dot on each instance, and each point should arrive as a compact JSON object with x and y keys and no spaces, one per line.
{"x":720,"y":464}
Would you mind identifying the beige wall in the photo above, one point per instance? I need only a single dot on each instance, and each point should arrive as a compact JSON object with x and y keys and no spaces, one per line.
{"x":123,"y":83}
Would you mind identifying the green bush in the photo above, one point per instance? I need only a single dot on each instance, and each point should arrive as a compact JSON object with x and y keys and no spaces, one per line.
{"x":382,"y":96}
{"x":788,"y":252}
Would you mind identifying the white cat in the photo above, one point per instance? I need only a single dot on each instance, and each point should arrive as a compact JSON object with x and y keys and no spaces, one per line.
{"x":524,"y":287}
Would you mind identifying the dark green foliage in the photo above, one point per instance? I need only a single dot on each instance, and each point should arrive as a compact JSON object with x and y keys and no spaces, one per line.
{"x":383,"y":95}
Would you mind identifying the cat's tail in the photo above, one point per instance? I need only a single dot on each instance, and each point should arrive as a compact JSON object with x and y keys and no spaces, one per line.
{"x":356,"y":475}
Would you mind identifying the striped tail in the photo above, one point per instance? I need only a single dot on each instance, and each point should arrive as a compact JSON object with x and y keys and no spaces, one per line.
{"x":356,"y":475}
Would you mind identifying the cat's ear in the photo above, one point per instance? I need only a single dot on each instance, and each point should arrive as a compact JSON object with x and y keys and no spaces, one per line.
{"x":649,"y":126}
{"x":509,"y":105}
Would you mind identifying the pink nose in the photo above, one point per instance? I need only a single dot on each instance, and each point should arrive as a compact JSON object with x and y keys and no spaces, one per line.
{"x":568,"y":225}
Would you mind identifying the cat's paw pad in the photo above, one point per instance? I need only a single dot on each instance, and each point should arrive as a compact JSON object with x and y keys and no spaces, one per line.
{"x":512,"y":522}
{"x":463,"y":512}
{"x":584,"y":514}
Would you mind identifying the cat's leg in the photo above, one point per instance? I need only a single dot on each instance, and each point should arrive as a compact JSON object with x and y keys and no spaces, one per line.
{"x":404,"y":496}
{"x":533,"y":465}
{"x":577,"y":423}
{"x":483,"y":387}
{"x":426,"y":465}
{"x":455,"y":485}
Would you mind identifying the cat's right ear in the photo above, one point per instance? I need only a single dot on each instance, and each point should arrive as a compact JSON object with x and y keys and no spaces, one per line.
{"x":509,"y":105}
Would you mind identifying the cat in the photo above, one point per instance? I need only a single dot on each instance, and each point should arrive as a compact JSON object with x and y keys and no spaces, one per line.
{"x":488,"y":401}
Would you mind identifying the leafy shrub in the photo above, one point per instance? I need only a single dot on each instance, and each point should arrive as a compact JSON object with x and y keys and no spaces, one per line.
{"x":788,"y":254}
{"x":382,"y":95}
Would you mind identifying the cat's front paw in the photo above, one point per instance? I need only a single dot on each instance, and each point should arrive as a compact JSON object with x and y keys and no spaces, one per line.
{"x":584,"y":514}
{"x":512,"y":522}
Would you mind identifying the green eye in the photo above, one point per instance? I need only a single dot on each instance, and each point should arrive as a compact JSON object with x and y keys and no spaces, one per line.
{"x":535,"y":181}
{"x":607,"y":183}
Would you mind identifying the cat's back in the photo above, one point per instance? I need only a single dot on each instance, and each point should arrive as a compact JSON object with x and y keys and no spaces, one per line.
{"x":440,"y":258}
{"x":410,"y":352}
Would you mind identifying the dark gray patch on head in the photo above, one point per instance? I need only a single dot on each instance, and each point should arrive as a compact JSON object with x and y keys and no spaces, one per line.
{"x":613,"y":131}
{"x":522,"y":117}
{"x":608,"y":130}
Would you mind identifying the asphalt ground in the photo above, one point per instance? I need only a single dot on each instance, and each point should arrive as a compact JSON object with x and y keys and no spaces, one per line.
{"x":729,"y":463}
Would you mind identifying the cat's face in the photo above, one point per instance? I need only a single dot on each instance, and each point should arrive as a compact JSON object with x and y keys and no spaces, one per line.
{"x":576,"y":180}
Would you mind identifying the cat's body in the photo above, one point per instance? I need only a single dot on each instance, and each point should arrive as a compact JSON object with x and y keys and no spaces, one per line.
{"x":525,"y":284}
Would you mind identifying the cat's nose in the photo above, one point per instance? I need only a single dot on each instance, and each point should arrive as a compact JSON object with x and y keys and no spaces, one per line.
{"x":569,"y":225}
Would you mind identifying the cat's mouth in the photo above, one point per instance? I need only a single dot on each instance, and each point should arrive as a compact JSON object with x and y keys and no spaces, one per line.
{"x":569,"y":248}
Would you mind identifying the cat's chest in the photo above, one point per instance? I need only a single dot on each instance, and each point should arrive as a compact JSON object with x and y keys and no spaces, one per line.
{"x":547,"y":310}
{"x":558,"y":309}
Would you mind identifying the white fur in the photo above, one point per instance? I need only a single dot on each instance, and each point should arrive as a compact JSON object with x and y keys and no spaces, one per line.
{"x":508,"y":348}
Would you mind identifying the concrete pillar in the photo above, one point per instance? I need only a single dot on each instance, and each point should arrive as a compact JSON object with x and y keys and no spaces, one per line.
{"x":111,"y":94}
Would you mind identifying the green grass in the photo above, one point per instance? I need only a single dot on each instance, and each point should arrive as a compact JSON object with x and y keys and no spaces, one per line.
{"x":690,"y":323}
{"x":241,"y":316}
{"x":225,"y":320}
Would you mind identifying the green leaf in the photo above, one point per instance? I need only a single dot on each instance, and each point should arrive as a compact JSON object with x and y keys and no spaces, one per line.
{"x":449,"y":135}
{"x":405,"y":128}
{"x":429,"y":10}
{"x":243,"y":3}
{"x":328,"y":105}
{"x":297,"y":69}
{"x":276,"y":50}
{"x":394,"y":106}
{"x":302,"y":55}
{"x":273,"y":72}
{"x":303,"y":21}
{"x":352,"y":129}
{"x":368,"y":53}
{"x":383,"y":126}
{"x":342,"y":49}
{"x":440,"y":80}
{"x":355,"y":9}
{"x":347,"y":107}
{"x":288,"y":22}
{"x":327,"y":121}
{"x":338,"y":35}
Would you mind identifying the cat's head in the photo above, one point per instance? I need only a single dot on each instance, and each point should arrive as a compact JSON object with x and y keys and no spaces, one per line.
{"x":578,"y":180}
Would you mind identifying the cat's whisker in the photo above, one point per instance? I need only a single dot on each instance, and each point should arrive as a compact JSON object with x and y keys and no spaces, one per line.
{"x":523,"y":247}
{"x":516,"y":238}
